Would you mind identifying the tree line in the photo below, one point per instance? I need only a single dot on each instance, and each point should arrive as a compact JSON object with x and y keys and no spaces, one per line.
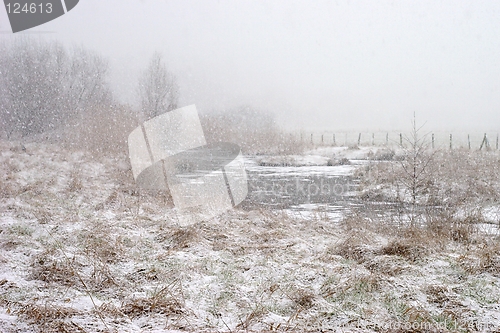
{"x":48,"y":90}
{"x":45,"y":86}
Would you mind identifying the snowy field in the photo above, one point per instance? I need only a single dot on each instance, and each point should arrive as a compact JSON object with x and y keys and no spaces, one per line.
{"x":83,"y":250}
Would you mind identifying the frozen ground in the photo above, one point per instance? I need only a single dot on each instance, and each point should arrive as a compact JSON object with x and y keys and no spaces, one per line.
{"x":83,"y":250}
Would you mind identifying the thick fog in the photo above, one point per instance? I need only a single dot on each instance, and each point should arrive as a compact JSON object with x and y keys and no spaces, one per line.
{"x":322,"y":65}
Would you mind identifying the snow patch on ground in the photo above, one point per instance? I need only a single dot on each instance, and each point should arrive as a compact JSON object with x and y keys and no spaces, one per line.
{"x":81,"y":249}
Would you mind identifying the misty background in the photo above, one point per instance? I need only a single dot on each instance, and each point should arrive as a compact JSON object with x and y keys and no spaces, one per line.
{"x":321,"y":65}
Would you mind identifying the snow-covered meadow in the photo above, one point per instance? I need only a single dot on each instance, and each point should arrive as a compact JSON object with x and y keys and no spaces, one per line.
{"x":82,"y":249}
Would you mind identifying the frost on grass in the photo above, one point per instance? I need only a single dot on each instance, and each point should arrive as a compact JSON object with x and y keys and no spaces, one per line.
{"x":83,"y":250}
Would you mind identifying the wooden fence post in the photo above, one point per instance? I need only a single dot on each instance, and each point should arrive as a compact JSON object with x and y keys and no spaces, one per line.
{"x":484,"y":142}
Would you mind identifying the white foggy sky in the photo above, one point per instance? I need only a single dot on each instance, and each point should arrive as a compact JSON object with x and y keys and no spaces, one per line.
{"x":325,"y":65}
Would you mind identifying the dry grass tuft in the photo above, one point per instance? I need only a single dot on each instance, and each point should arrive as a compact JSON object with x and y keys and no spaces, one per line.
{"x":51,"y":270}
{"x":108,"y":309}
{"x":98,"y":244}
{"x":437,"y":294}
{"x":75,"y":183}
{"x":355,"y":222}
{"x":367,"y":283}
{"x":405,"y":248}
{"x":114,"y":201}
{"x":50,"y":318}
{"x":303,"y":298}
{"x":384,"y":264}
{"x":167,"y":301}
{"x":42,"y":313}
{"x":486,"y":259}
{"x":182,"y":238}
{"x":101,"y":276}
{"x":9,"y":189}
{"x":415,"y":330}
{"x":462,"y":232}
{"x":356,"y":286}
{"x":144,"y":306}
{"x":354,"y":248}
{"x":251,"y":318}
{"x":43,"y":216}
{"x":352,"y":251}
{"x":446,"y":227}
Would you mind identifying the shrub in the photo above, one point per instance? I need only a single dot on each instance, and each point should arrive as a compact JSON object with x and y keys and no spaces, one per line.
{"x":103,"y":129}
{"x":254,"y":131}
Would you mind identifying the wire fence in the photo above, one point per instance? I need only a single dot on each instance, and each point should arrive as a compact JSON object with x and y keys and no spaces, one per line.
{"x":436,"y":140}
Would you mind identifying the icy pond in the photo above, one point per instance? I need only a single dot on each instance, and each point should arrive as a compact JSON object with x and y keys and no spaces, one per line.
{"x":330,"y":189}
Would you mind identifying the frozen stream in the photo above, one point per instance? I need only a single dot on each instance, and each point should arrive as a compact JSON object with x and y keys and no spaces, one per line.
{"x":331,"y":189}
{"x":328,"y":190}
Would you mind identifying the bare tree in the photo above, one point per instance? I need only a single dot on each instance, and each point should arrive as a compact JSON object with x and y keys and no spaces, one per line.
{"x":158,"y":89}
{"x":43,"y":87}
{"x":417,"y":176}
{"x":32,"y":79}
{"x":87,"y":87}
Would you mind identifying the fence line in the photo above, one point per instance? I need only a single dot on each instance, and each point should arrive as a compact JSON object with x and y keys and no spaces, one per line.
{"x":454,"y":140}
